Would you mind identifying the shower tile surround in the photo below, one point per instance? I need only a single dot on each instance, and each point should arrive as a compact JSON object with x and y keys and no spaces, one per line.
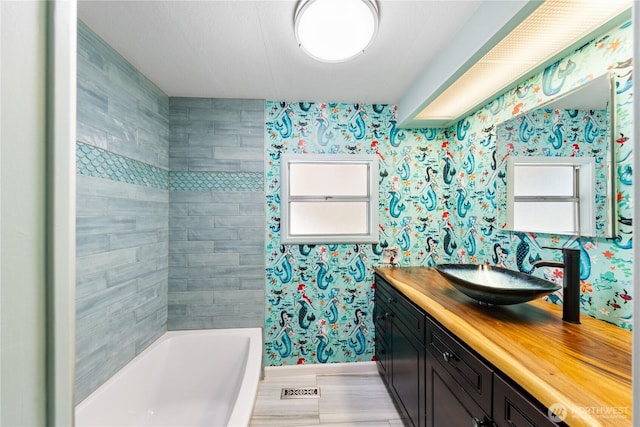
{"x":122,"y":223}
{"x":216,"y":218}
{"x":171,"y":206}
{"x":167,"y":237}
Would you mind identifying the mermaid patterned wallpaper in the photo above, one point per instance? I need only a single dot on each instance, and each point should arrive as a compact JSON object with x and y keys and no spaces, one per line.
{"x":438,"y":203}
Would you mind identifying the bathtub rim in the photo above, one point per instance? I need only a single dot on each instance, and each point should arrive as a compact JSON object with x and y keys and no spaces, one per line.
{"x":242,"y":410}
{"x":248,"y":392}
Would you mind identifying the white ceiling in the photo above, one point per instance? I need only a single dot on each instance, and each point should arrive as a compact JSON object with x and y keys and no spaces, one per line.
{"x":247,"y":49}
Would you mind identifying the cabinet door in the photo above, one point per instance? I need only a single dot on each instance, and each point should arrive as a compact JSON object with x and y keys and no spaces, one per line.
{"x":382,"y":357}
{"x":381,"y":315}
{"x":408,"y":372}
{"x":448,"y":404}
{"x":469,"y":371}
{"x":512,"y":408}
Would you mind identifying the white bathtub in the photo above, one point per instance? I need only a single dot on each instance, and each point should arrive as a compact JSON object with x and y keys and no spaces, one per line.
{"x":186,"y":378}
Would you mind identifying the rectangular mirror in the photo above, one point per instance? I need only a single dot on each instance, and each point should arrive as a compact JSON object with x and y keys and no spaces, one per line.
{"x":578,"y":126}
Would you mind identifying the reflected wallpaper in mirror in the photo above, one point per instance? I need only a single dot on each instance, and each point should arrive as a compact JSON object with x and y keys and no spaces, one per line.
{"x":548,"y":131}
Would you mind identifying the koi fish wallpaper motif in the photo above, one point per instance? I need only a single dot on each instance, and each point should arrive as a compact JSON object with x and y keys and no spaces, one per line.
{"x":437,"y":203}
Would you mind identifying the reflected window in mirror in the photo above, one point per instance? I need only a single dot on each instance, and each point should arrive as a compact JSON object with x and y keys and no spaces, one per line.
{"x":577,"y":124}
{"x":329,"y":199}
{"x":551,"y":195}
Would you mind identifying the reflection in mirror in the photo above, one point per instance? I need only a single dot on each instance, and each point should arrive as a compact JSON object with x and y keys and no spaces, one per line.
{"x":576,"y":125}
{"x":539,"y":185}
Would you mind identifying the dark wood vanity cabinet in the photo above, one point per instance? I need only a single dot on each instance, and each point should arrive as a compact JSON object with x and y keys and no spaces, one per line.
{"x":512,"y":407}
{"x":400,"y":333}
{"x":448,"y":404}
{"x":382,"y":318}
{"x":436,"y":380}
{"x":459,"y":384}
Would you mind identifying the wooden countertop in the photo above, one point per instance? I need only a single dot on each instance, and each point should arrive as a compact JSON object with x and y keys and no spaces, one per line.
{"x":585,"y":367}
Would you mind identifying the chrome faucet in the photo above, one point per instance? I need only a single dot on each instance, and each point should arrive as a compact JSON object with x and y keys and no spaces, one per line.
{"x":570,"y":282}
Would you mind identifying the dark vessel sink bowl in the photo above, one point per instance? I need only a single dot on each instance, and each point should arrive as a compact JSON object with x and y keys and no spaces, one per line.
{"x":495,"y":285}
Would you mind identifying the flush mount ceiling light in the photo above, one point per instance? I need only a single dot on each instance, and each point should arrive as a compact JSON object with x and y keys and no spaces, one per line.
{"x":536,"y":42}
{"x":335,"y":30}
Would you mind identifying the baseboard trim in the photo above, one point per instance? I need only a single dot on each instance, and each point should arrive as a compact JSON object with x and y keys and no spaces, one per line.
{"x":321,"y":369}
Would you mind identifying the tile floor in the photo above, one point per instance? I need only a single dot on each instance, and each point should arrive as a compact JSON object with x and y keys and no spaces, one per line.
{"x":359,"y":399}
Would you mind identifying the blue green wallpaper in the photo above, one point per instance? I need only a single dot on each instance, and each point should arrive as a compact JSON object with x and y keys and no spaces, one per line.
{"x":438,"y":203}
{"x":320,"y":298}
{"x":605,"y":263}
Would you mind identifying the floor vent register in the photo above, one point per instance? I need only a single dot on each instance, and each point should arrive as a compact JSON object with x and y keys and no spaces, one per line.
{"x":300,"y":393}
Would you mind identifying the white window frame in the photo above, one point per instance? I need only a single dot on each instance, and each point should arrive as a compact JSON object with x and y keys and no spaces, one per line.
{"x":287,"y":199}
{"x":584,"y":197}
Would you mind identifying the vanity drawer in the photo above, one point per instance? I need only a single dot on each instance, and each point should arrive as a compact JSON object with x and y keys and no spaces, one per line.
{"x":382,"y":313}
{"x":511,"y":407}
{"x":383,"y":291}
{"x":401,"y":308}
{"x":467,"y":370}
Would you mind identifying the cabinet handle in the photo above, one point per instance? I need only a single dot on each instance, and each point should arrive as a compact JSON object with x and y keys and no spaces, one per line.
{"x":449,"y":357}
{"x":390,"y":300}
{"x":485,"y":422}
{"x":388,"y":314}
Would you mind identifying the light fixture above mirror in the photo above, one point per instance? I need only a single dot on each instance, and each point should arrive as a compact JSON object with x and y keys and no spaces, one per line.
{"x":550,"y":30}
{"x":335,"y":30}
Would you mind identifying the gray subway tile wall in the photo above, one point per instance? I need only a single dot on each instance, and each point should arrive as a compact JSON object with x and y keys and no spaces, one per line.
{"x":119,"y":109}
{"x":122,"y":212}
{"x":216,"y":224}
{"x":170,"y":213}
{"x":122,"y":278}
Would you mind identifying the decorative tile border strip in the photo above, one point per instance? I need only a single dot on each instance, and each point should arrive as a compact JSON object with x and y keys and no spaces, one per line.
{"x":100,"y":163}
{"x":216,"y":181}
